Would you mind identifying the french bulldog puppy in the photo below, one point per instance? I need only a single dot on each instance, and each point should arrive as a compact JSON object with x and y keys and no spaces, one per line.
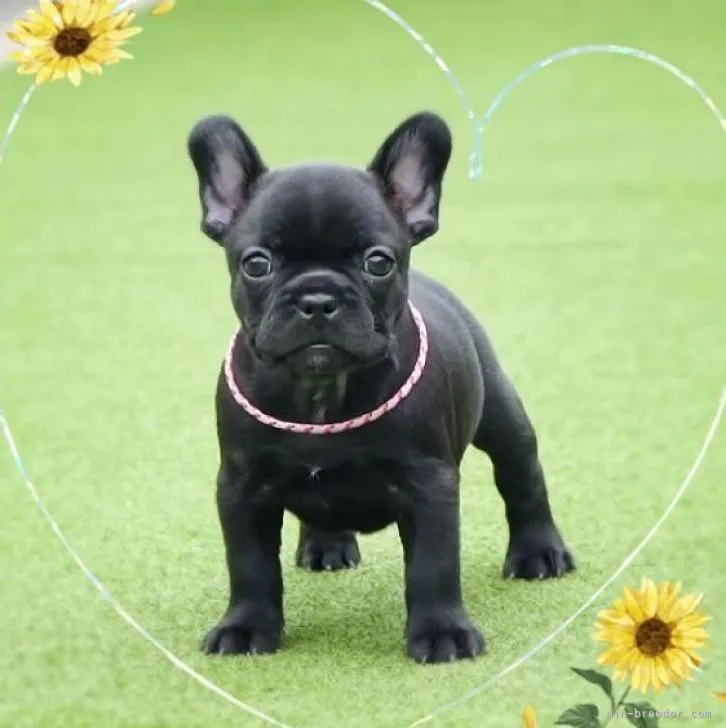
{"x":354,"y":387}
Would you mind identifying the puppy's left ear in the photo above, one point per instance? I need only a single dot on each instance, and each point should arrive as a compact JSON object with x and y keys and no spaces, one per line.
{"x":410,"y":165}
{"x":227,"y":164}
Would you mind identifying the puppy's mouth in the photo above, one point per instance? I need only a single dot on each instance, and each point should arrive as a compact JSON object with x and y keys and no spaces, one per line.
{"x":320,"y":359}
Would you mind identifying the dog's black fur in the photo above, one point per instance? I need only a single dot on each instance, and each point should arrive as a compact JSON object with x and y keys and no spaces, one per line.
{"x":319,"y":262}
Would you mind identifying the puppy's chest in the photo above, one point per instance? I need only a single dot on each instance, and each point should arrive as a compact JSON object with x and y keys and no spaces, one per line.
{"x":354,"y":496}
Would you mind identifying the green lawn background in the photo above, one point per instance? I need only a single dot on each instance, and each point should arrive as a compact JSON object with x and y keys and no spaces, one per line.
{"x":593,"y":249}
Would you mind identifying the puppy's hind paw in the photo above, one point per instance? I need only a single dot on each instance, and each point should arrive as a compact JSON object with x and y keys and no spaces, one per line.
{"x":538,"y":554}
{"x":327,"y":552}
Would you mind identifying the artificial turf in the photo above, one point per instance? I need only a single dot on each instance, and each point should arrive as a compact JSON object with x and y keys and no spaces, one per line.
{"x":593,"y":250}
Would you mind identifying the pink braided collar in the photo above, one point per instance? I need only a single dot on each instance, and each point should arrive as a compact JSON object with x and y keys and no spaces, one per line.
{"x":333,"y":427}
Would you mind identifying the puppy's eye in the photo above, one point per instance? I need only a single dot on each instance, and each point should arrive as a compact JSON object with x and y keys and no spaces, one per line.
{"x":257,"y":265}
{"x":378,"y":264}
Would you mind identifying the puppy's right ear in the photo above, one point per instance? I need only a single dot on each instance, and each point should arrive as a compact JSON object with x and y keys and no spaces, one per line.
{"x":227,"y":164}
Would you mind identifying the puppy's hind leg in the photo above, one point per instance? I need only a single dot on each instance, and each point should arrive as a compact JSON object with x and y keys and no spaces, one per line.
{"x":323,"y":551}
{"x":536,"y":548}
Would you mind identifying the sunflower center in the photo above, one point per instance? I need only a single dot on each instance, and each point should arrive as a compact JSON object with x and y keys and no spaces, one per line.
{"x":72,"y":41}
{"x":653,"y":637}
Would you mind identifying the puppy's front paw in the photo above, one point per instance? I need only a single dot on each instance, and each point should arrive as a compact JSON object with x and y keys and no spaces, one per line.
{"x":443,"y":636}
{"x":538,"y":552}
{"x":319,"y":551}
{"x":245,"y":631}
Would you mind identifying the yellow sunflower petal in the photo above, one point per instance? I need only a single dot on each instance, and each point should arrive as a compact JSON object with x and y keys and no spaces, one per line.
{"x":39,"y":21}
{"x":94,"y":55}
{"x":39,"y":32}
{"x":529,"y":717}
{"x":628,"y":660}
{"x":692,"y":633}
{"x":50,"y":11}
{"x":69,"y":12}
{"x":614,"y":616}
{"x":632,"y":605}
{"x":21,"y":37}
{"x":692,"y":620}
{"x":115,"y":21}
{"x":44,"y":55}
{"x":104,"y":8}
{"x":117,"y":54}
{"x":28,"y":69}
{"x":719,"y":696}
{"x":642,"y":675}
{"x":654,"y":678}
{"x":649,"y":598}
{"x":693,"y":640}
{"x":661,"y":667}
{"x":102,"y":25}
{"x":692,"y":602}
{"x":606,"y":659}
{"x":128,"y":18}
{"x":26,"y":33}
{"x":612,"y":655}
{"x":666,"y":594}
{"x":74,"y":72}
{"x":89,"y":66}
{"x":84,"y":12}
{"x":622,"y":640}
{"x":678,"y":663}
{"x":164,"y":7}
{"x":17,"y":34}
{"x":19,"y":56}
{"x":683,"y":607}
{"x":61,"y":69}
{"x":121,"y":35}
{"x":44,"y":73}
{"x":617,"y":634}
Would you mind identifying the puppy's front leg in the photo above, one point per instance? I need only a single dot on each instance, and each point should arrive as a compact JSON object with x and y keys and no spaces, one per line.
{"x":254,"y":621}
{"x":438,"y":627}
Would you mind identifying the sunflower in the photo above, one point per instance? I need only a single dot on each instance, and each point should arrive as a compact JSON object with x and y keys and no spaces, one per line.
{"x":653,"y":635}
{"x":62,"y":39}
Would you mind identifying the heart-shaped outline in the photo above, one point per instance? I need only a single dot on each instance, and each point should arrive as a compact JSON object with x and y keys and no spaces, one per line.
{"x":478,"y":125}
{"x":476,"y":167}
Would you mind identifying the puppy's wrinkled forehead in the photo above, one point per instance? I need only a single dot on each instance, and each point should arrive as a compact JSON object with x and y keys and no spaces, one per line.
{"x":319,"y":209}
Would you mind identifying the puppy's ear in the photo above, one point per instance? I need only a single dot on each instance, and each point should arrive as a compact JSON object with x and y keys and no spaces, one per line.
{"x":410,"y":165}
{"x":227,"y":164}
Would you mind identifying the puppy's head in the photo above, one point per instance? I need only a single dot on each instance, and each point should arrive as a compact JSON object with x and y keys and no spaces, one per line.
{"x":319,"y":254}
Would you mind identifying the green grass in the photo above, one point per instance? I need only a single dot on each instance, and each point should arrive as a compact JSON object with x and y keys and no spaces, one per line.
{"x":593,"y":249}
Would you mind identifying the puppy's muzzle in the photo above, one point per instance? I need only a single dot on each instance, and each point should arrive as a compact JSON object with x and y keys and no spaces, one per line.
{"x":320,"y":326}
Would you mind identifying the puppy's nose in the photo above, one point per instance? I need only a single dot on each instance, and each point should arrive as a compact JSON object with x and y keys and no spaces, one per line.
{"x":321,"y":306}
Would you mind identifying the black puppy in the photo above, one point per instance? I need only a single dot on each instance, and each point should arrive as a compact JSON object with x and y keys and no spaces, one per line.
{"x":345,"y":404}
